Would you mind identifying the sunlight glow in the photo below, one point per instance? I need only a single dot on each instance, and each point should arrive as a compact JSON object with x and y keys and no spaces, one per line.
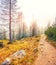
{"x":42,"y":10}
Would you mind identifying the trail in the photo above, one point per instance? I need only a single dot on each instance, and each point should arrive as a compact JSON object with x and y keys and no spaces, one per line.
{"x":47,"y":53}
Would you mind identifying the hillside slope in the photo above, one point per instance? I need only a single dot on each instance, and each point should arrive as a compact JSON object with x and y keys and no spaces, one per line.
{"x":29,"y":47}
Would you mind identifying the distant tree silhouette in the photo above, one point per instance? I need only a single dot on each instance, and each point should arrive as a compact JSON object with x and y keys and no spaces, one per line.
{"x":33,"y":29}
{"x":1,"y":36}
{"x":19,"y":20}
{"x":24,"y":32}
{"x":54,"y":24}
{"x":48,"y":25}
{"x":4,"y":34}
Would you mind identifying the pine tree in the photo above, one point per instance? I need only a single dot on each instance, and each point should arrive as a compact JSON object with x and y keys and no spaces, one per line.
{"x":7,"y":13}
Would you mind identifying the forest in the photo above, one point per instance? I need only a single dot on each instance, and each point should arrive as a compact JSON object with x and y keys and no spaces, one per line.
{"x":22,"y":43}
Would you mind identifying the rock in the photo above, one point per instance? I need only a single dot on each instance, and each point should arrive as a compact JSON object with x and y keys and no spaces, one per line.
{"x":6,"y":62}
{"x":19,"y":54}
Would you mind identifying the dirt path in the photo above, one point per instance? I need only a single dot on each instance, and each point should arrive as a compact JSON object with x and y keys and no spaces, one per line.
{"x":47,"y":54}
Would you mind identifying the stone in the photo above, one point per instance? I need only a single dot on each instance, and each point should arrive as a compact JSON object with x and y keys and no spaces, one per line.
{"x":19,"y":54}
{"x":6,"y":62}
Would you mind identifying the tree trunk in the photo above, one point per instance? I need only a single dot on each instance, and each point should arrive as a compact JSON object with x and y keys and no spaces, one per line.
{"x":10,"y":22}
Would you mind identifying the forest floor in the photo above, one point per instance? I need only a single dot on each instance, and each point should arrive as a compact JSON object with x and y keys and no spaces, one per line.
{"x":26,"y":49}
{"x":36,"y":51}
{"x":47,"y":53}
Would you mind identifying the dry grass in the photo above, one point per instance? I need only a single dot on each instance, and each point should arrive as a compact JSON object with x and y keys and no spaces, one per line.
{"x":30,"y":45}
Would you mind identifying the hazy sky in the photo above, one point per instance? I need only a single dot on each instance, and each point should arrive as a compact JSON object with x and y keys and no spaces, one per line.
{"x":42,"y":10}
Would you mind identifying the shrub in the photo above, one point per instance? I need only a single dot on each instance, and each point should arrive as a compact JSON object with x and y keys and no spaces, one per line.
{"x":51,"y":33}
